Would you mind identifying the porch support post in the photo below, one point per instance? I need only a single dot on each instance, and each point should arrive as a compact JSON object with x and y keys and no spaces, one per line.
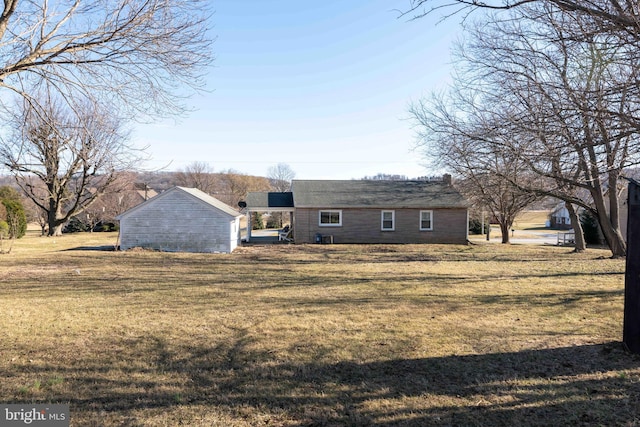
{"x":248,"y":225}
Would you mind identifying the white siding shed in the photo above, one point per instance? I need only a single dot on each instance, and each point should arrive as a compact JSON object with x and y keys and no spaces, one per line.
{"x":181,"y":220}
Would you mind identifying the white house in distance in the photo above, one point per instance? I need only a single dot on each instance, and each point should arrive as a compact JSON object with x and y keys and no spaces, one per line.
{"x":181,"y":220}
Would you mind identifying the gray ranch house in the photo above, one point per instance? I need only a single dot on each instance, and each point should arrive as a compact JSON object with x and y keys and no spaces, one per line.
{"x":181,"y":220}
{"x":366,"y":211}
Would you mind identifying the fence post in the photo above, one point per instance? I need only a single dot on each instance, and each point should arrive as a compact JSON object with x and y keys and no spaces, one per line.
{"x":631,"y":324}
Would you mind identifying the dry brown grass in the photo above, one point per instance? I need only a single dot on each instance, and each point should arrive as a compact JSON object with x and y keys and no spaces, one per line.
{"x":532,"y":219}
{"x":286,"y":335}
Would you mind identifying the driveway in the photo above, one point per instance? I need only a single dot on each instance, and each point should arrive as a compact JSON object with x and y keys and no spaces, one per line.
{"x":523,"y":237}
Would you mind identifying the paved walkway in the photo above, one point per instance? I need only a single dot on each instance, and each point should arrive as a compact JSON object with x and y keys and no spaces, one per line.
{"x":261,"y":236}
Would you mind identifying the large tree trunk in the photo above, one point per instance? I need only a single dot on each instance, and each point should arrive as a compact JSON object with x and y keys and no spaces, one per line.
{"x":612,"y":236}
{"x":614,"y":239}
{"x":580,"y":244}
{"x":618,"y":239}
{"x":504,"y":229}
{"x":55,"y":225}
{"x":57,"y":230}
{"x":610,"y":226}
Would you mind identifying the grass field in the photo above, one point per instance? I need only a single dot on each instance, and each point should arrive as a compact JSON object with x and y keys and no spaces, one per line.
{"x":317,"y":335}
{"x":531,"y":220}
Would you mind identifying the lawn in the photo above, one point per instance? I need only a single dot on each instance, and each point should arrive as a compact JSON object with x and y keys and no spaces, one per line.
{"x":532,"y":219}
{"x":312,"y":335}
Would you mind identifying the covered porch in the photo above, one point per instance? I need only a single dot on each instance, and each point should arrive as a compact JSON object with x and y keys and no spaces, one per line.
{"x":270,"y":202}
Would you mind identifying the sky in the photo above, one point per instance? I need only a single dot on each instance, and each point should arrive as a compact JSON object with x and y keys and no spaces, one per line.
{"x":323,"y":87}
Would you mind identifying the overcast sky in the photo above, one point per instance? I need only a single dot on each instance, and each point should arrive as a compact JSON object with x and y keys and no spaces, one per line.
{"x":321,"y":86}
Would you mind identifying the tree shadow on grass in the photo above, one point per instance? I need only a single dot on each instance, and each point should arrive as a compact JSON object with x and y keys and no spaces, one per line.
{"x":101,"y":248}
{"x":582,"y":385}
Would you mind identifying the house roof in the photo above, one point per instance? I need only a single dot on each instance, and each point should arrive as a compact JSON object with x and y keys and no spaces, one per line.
{"x":147,"y":194}
{"x":267,"y":200}
{"x":194,"y":192}
{"x":376,"y":194}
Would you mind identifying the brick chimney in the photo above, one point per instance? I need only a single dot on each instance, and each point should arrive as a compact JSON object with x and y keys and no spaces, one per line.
{"x":446,"y":178}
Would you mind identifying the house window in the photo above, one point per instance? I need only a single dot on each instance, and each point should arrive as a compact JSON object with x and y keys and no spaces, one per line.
{"x":330,"y":218}
{"x":388,"y":220}
{"x":426,"y":220}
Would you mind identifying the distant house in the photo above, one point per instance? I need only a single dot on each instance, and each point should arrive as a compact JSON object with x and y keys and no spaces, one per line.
{"x":143,"y":192}
{"x":181,"y":220}
{"x":370,"y":211}
{"x":559,"y":218}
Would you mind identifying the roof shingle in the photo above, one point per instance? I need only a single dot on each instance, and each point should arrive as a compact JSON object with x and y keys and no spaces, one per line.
{"x":375,"y":194}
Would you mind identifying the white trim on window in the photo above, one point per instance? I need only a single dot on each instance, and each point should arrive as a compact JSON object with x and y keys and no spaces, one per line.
{"x":426,"y":224}
{"x":330,"y":218}
{"x":387,"y":220}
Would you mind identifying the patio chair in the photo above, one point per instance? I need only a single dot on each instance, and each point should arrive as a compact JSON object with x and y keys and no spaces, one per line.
{"x":285,"y":234}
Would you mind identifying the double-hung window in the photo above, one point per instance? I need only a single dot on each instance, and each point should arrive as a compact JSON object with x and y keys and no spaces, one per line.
{"x":388,"y":220}
{"x":330,"y":219}
{"x":426,"y":220}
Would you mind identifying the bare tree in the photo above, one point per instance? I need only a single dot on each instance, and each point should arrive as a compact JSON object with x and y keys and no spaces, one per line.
{"x":126,"y":193}
{"x":73,"y":155}
{"x":121,"y":195}
{"x":577,"y":98}
{"x":131,"y":55}
{"x":35,"y":213}
{"x":236,"y":185}
{"x":560,"y":100}
{"x":8,"y":230}
{"x":280,"y":177}
{"x":503,"y":200}
{"x":198,"y":175}
{"x":578,"y":232}
{"x":607,"y":15}
{"x":489,"y":176}
{"x":133,"y":58}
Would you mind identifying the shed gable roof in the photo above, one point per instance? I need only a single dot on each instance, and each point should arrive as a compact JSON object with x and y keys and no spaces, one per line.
{"x":375,"y":194}
{"x":200,"y":196}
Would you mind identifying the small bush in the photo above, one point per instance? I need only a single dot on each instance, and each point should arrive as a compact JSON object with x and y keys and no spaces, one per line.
{"x":106,"y":226}
{"x":475,"y":226}
{"x":74,"y":226}
{"x":257,"y":223}
{"x":16,"y":218}
{"x":273,"y":222}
